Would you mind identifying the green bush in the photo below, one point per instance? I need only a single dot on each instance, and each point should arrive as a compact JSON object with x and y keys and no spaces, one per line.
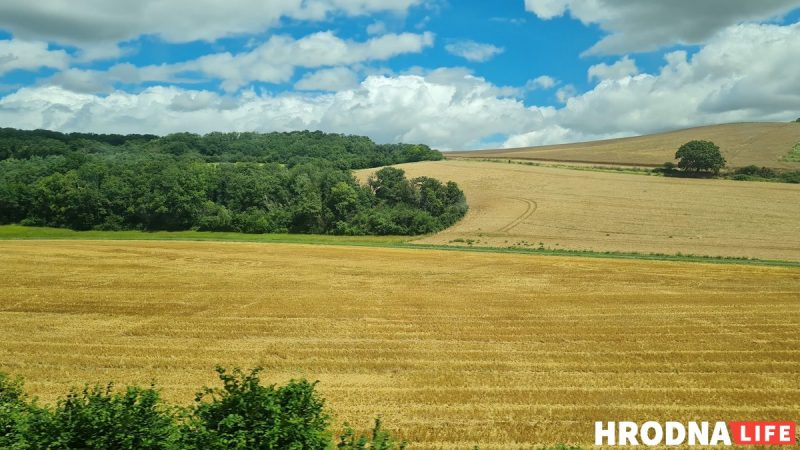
{"x":99,"y":418}
{"x":755,"y":171}
{"x":244,"y":415}
{"x":241,"y":415}
{"x":380,"y":439}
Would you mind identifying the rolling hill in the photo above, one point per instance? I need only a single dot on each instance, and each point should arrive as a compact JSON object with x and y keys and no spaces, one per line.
{"x":743,"y":144}
{"x":517,"y":205}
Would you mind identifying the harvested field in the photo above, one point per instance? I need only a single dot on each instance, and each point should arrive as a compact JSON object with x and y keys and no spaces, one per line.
{"x":525,"y":206}
{"x":742,"y":144}
{"x":452,"y":348}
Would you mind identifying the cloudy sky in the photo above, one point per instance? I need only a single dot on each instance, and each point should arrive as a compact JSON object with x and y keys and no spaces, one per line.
{"x":454,"y":74}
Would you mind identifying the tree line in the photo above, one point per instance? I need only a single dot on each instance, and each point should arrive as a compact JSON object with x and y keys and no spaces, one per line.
{"x":297,"y":182}
{"x":292,"y":148}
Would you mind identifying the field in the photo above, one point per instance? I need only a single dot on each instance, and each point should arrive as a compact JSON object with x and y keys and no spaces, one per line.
{"x":525,"y":206}
{"x":761,"y":144}
{"x":452,"y":348}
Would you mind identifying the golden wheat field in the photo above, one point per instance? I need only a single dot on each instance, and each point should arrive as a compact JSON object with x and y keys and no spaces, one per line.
{"x":742,"y":144}
{"x":528,"y":206}
{"x":453,"y":349}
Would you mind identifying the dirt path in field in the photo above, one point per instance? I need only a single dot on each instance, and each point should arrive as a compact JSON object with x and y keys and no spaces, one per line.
{"x":532,"y":206}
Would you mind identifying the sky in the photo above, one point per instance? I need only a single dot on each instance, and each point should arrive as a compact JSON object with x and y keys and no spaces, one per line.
{"x":455,"y":75}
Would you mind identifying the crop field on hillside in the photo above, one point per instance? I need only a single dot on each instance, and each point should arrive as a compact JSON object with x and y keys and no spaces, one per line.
{"x":453,"y":349}
{"x":525,"y":206}
{"x":742,"y":144}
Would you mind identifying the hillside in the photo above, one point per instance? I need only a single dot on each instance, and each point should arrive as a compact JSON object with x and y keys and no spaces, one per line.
{"x":743,"y":144}
{"x":527,"y":206}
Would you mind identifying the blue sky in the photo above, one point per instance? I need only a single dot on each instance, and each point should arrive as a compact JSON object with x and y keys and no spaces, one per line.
{"x":456,"y":75}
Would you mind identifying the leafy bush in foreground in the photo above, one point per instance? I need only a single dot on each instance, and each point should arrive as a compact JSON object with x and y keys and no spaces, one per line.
{"x":241,"y":415}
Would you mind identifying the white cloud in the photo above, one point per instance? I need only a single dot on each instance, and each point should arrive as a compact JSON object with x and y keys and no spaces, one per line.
{"x":23,"y":55}
{"x":648,"y":25}
{"x":447,"y":109}
{"x":376,"y":28}
{"x":473,"y":51}
{"x":565,"y":93}
{"x":271,"y":62}
{"x":275,"y":60}
{"x":745,"y":73}
{"x":542,"y":82}
{"x":625,"y":67}
{"x":333,"y":79}
{"x":92,"y":23}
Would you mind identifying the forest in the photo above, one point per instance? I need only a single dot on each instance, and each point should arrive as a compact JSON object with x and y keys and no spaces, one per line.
{"x":296,"y":182}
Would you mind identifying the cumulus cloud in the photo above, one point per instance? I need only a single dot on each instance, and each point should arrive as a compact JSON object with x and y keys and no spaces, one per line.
{"x":541,"y":82}
{"x":625,"y":67}
{"x":89,"y":23}
{"x":376,"y":28}
{"x":447,"y":109}
{"x":473,"y":51}
{"x":742,"y":74}
{"x":274,"y":61}
{"x":648,"y":25}
{"x":333,"y":79}
{"x":23,"y":55}
{"x":566,"y":93}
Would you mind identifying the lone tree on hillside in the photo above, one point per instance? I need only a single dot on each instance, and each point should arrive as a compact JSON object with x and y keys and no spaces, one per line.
{"x":700,"y":156}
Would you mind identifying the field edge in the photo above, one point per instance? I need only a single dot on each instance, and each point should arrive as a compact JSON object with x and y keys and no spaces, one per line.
{"x":22,"y":233}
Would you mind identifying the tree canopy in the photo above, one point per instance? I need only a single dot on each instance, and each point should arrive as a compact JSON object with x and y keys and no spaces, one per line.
{"x":247,"y":182}
{"x":699,"y":156}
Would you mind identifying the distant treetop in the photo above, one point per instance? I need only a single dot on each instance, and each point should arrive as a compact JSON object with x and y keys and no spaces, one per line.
{"x":700,"y":156}
{"x":290,"y":148}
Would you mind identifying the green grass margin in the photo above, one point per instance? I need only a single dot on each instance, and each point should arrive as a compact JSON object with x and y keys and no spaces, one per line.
{"x":18,"y":232}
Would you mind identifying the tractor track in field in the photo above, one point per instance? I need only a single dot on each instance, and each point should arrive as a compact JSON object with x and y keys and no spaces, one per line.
{"x":531,"y":207}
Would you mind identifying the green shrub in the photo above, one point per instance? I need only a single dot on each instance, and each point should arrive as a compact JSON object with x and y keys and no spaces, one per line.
{"x":241,"y":415}
{"x":13,"y":408}
{"x":380,"y":439}
{"x":98,"y":418}
{"x":755,"y":171}
{"x":245,"y":415}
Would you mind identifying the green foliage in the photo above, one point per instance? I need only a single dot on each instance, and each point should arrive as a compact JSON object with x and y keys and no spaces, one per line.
{"x":241,"y":415}
{"x":700,"y":156}
{"x":379,"y":440}
{"x":244,"y":182}
{"x":14,"y":408}
{"x":794,"y":154}
{"x":99,"y":418}
{"x":755,"y":173}
{"x":244,"y":415}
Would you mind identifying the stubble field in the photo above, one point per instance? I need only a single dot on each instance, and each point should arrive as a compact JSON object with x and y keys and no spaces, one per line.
{"x":452,"y":348}
{"x":527,"y":206}
{"x":742,"y":144}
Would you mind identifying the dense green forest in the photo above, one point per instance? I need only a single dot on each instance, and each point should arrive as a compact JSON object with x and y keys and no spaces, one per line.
{"x":299,"y":182}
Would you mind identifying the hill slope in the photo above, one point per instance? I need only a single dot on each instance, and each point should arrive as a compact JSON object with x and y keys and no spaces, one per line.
{"x":743,"y":144}
{"x":523,"y":206}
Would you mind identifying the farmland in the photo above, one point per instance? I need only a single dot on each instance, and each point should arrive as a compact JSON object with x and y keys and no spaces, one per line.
{"x":514,"y":205}
{"x":742,"y":144}
{"x":452,"y":348}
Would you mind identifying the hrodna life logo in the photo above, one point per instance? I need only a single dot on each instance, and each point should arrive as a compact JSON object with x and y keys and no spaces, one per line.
{"x":726,"y":434}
